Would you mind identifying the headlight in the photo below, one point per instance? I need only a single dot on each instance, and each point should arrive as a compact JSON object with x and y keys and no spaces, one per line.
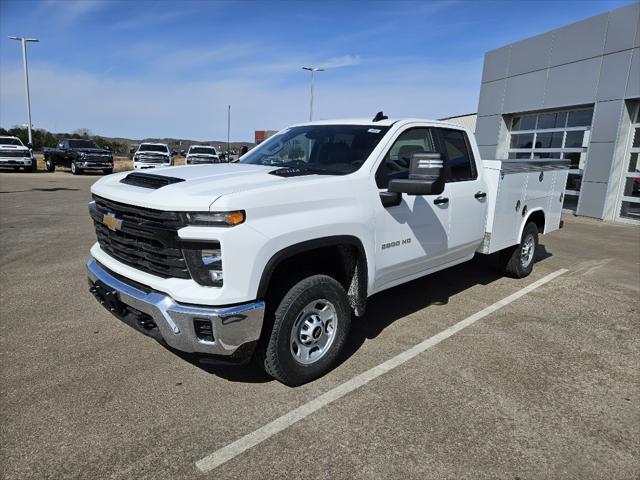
{"x":222,"y":219}
{"x":205,"y":265}
{"x":82,"y":154}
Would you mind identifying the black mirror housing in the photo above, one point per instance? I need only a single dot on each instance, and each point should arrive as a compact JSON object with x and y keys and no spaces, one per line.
{"x":426,"y":176}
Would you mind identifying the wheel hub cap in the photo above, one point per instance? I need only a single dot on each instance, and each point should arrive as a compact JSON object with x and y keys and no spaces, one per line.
{"x":527,"y":251}
{"x":313,"y":332}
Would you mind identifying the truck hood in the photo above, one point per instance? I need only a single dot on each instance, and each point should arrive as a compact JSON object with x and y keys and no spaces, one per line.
{"x":202,"y":185}
{"x":13,"y":148}
{"x":92,"y":151}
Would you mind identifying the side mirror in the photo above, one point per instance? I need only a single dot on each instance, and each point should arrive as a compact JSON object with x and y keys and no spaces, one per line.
{"x":426,"y":176}
{"x":30,"y":146}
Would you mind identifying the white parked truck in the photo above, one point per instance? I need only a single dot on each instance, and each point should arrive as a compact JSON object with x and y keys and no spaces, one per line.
{"x":14,"y":154}
{"x":152,"y":155}
{"x":199,"y":154}
{"x":269,"y":258}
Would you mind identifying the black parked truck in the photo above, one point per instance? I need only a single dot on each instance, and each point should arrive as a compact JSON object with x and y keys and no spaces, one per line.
{"x":79,"y":156}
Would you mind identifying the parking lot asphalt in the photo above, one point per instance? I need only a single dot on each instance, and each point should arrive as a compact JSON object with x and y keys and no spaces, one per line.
{"x":546,"y":387}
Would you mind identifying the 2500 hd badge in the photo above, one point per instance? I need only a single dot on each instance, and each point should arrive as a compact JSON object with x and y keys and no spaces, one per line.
{"x":397,"y":243}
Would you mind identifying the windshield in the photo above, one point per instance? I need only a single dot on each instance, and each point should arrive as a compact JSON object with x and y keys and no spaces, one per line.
{"x":153,"y":148}
{"x":331,"y":149}
{"x":205,"y":150}
{"x":82,"y":144}
{"x":10,"y":141}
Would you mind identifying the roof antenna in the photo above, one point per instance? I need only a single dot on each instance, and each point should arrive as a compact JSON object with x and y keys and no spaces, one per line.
{"x":379,"y":116}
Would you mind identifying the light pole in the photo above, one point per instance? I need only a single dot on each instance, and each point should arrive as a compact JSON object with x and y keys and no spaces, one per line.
{"x":313,"y":71}
{"x":26,"y":77}
{"x":228,"y":131}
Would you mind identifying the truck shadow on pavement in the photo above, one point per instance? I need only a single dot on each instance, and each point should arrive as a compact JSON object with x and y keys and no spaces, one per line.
{"x":383,"y":309}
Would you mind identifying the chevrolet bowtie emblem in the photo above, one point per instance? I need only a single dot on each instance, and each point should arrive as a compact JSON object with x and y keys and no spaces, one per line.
{"x":112,"y":222}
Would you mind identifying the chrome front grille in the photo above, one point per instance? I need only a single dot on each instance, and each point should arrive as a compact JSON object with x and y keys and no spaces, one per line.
{"x":14,"y":154}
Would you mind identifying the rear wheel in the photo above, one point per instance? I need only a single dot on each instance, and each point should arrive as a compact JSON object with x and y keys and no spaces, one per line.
{"x":309,"y":331}
{"x":517,"y":262}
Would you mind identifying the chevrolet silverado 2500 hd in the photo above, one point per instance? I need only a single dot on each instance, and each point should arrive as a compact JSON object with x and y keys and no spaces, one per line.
{"x":270,"y":257}
{"x":79,"y":156}
{"x":199,"y":154}
{"x":152,"y":155}
{"x":15,"y":155}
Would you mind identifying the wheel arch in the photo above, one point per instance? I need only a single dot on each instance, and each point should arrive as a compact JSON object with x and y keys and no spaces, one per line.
{"x":350,"y":264}
{"x":536,"y":216}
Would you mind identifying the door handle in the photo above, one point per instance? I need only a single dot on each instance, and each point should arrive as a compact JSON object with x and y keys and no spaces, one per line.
{"x":441,"y":200}
{"x":480,"y":195}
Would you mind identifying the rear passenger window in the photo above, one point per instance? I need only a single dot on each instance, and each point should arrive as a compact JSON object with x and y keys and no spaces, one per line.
{"x":460,"y":164}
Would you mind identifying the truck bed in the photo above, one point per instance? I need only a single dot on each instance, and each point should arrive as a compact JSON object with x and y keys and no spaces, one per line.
{"x":517,"y":188}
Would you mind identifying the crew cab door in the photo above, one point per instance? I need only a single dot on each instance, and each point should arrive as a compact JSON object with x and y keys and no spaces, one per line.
{"x":465,"y":190}
{"x":412,"y":234}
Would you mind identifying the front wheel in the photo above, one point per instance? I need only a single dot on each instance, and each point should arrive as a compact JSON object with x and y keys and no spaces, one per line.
{"x":51,"y":167}
{"x":74,"y":169}
{"x":309,"y":331}
{"x":108,"y":171}
{"x":517,"y":262}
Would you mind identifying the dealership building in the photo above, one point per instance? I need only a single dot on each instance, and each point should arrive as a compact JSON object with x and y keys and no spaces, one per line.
{"x":571,"y":93}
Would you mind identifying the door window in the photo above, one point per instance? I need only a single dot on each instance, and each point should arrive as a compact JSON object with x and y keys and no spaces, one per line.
{"x":397,"y":160}
{"x":460,"y":165}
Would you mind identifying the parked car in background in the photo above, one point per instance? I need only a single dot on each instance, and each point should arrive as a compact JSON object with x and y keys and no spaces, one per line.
{"x":274,"y":255}
{"x":199,"y":154}
{"x":79,"y":156}
{"x":152,"y":155}
{"x":14,"y":154}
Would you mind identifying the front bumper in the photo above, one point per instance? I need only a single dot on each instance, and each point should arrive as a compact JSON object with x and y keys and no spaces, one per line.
{"x":142,"y":165}
{"x":94,"y":165}
{"x":236,"y":329}
{"x":15,"y":161}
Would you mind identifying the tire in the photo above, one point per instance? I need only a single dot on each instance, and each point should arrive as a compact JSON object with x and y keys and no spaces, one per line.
{"x":108,"y":171}
{"x":33,"y":168}
{"x":310,"y":327}
{"x":74,"y":169}
{"x":51,"y":167}
{"x":517,"y":262}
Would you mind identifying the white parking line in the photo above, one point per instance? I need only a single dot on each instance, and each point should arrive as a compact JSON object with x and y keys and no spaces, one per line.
{"x":234,"y":449}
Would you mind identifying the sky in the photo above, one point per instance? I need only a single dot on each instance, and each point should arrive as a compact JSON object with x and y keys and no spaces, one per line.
{"x":156,"y":68}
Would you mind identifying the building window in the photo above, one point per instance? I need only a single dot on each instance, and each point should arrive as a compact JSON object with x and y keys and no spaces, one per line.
{"x":554,"y":135}
{"x":630,"y":202}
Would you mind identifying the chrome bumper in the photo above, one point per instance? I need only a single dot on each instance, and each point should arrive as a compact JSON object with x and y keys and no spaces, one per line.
{"x":95,"y":166}
{"x":232,"y":326}
{"x":15,"y":161}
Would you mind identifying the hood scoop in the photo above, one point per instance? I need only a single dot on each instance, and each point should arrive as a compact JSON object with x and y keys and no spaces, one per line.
{"x":147,"y":180}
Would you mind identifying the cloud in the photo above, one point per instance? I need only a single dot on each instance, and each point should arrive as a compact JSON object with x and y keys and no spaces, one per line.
{"x":156,"y":107}
{"x":343,"y":61}
{"x":68,"y":11}
{"x":153,"y":18}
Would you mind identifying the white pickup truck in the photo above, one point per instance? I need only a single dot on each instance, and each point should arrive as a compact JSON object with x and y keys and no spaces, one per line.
{"x":152,"y":155}
{"x":201,"y":154}
{"x":269,"y":258}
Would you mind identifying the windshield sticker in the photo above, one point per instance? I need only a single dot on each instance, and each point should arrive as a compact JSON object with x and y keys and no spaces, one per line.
{"x":374,"y":130}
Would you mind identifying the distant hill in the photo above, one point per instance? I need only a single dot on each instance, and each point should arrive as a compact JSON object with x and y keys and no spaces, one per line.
{"x":118,"y":145}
